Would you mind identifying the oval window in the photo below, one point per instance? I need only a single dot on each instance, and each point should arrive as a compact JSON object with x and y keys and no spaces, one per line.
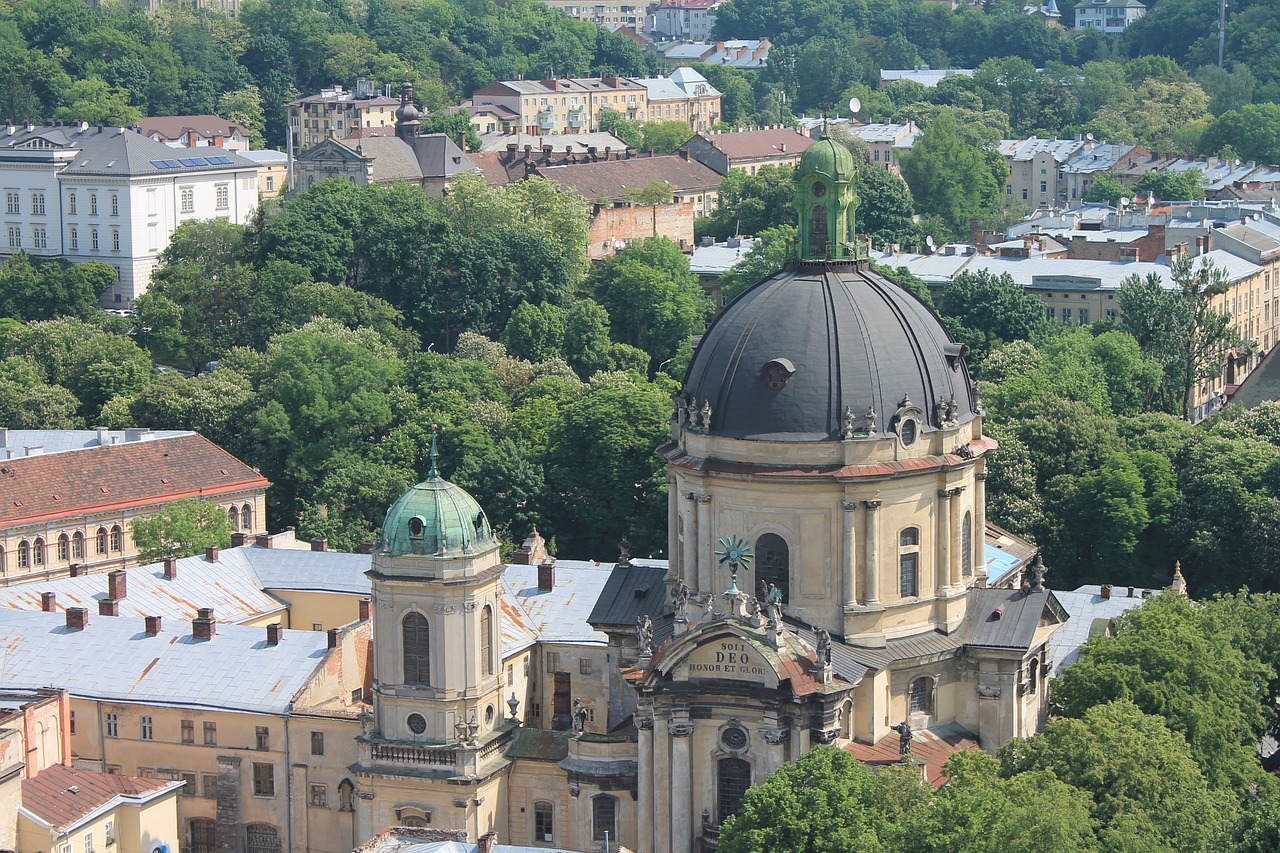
{"x":734,"y":738}
{"x":819,"y":189}
{"x":908,"y":431}
{"x":488,"y":715}
{"x":417,"y":723}
{"x":415,"y":526}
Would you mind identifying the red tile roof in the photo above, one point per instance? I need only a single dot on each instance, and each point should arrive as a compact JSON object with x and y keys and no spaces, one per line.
{"x":611,"y":179}
{"x":61,"y":795}
{"x":933,"y":746}
{"x":750,"y":144}
{"x":205,"y":126}
{"x":119,"y":476}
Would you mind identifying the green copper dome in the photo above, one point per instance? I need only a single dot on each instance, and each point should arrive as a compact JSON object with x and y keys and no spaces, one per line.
{"x":435,"y":518}
{"x":830,"y":158}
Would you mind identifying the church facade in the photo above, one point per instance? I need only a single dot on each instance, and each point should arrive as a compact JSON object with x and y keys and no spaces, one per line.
{"x":826,"y":585}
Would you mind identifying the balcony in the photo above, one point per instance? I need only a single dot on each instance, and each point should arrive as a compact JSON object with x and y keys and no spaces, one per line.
{"x":577,"y":117}
{"x":547,"y":120}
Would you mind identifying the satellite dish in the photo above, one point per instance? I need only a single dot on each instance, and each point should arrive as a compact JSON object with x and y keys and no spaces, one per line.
{"x":928,"y":241}
{"x":854,"y":105}
{"x":1124,"y":202}
{"x":1089,"y":136}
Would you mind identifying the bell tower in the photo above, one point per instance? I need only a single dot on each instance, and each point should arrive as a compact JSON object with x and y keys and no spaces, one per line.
{"x":826,"y":198}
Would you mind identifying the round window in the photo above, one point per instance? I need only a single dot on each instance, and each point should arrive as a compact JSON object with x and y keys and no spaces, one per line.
{"x":819,"y":189}
{"x":734,"y":738}
{"x":415,"y":526}
{"x":908,"y":431}
{"x":488,"y":716}
{"x":417,"y":723}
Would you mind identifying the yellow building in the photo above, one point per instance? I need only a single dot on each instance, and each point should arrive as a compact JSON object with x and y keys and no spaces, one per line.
{"x":566,"y":105}
{"x":336,"y":111}
{"x":71,"y":495}
{"x":71,"y":810}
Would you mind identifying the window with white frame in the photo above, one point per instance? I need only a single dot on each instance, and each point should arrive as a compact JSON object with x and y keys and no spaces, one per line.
{"x":93,"y":239}
{"x":71,"y":202}
{"x":222,"y":195}
{"x":93,"y":204}
{"x":146,"y":729}
{"x":15,"y":237}
{"x":115,"y":205}
{"x":11,"y":203}
{"x":75,"y":238}
{"x":37,"y":204}
{"x":187,"y":200}
{"x":40,"y":238}
{"x":115,"y":239}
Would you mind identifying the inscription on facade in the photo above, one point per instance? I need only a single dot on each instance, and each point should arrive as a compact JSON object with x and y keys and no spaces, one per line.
{"x":728,"y":659}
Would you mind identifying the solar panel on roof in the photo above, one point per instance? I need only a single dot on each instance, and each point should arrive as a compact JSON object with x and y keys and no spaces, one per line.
{"x":220,"y":160}
{"x":192,"y":161}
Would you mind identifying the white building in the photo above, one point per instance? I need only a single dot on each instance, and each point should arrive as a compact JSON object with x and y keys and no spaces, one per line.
{"x":110,"y":194}
{"x":1109,"y":16}
{"x":686,"y":20}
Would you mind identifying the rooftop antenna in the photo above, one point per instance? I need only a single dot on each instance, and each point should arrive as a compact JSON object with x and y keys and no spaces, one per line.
{"x":928,"y":241}
{"x":1222,"y":30}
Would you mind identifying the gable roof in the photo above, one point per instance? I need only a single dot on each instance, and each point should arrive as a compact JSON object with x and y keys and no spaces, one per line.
{"x":748,"y":144}
{"x":610,"y":179}
{"x":128,"y":475}
{"x":1008,"y":618}
{"x":629,"y":593}
{"x":61,"y":797}
{"x":115,"y":151}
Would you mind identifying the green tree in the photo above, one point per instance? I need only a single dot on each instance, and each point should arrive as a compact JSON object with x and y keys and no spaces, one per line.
{"x":825,"y":802}
{"x":1148,"y":792}
{"x":664,"y":137}
{"x":182,"y":528}
{"x":951,"y":178}
{"x":245,"y":107}
{"x":95,"y":101}
{"x":987,"y":310}
{"x":1257,"y":830}
{"x":750,"y":204}
{"x":43,"y":290}
{"x":885,"y":208}
{"x":1173,"y":186}
{"x":1106,"y":188}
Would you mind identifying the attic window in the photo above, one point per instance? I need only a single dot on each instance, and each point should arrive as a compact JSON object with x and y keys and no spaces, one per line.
{"x":57,"y":497}
{"x":222,"y":471}
{"x":164,"y":481}
{"x":104,"y":490}
{"x":416,"y":525}
{"x":777,"y":372}
{"x":17,"y":503}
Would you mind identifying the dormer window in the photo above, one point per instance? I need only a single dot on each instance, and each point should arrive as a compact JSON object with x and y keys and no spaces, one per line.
{"x":777,"y":372}
{"x":416,"y":525}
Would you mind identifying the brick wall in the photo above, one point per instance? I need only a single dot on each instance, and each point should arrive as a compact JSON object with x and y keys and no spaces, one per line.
{"x":613,"y":225}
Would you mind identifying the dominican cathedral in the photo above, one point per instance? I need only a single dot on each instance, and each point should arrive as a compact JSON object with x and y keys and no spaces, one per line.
{"x":827,"y":583}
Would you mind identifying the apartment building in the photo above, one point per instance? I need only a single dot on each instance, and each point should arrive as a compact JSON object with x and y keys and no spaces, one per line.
{"x":335,"y":111}
{"x":566,"y":105}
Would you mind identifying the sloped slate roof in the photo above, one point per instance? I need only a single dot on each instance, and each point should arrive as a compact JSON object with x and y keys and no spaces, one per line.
{"x":560,"y":615}
{"x":760,"y":143}
{"x":631,"y":592}
{"x":1016,"y":623}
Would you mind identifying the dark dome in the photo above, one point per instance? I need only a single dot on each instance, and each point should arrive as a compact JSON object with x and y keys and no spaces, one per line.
{"x":785,"y":359}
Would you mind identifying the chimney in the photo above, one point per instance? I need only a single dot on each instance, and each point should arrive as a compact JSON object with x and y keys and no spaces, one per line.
{"x":152,"y":625}
{"x":117,"y":585}
{"x":76,"y":570}
{"x":319,"y":544}
{"x":48,"y":602}
{"x":547,"y":575}
{"x":273,"y":634}
{"x":191,"y":139}
{"x":171,"y":568}
{"x":366,"y":547}
{"x":262,"y":540}
{"x":77,"y":618}
{"x":108,"y":607}
{"x":1131,"y":592}
{"x":204,"y":626}
{"x":211,"y":553}
{"x":366,"y":606}
{"x":484,"y":844}
{"x":333,"y":638}
{"x":1106,"y":591}
{"x":104,"y":436}
{"x":239,"y":539}
{"x":217,"y":141}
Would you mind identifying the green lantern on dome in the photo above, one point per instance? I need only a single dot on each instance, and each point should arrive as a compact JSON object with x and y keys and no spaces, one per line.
{"x":826,"y":197}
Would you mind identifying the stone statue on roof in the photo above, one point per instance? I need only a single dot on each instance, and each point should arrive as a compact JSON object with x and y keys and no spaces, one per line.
{"x":644,"y":635}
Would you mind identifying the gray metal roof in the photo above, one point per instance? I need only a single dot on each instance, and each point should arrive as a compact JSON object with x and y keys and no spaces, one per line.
{"x":1006,"y":618}
{"x":116,"y":151}
{"x":14,"y":442}
{"x":288,"y":569}
{"x":718,"y":258}
{"x":561,"y":615}
{"x":113,"y":659}
{"x":856,"y":340}
{"x":229,"y":586}
{"x":1090,"y":614}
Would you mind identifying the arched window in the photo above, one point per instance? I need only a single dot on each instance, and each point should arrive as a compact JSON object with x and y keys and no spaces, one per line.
{"x":64,"y":548}
{"x":24,"y":554}
{"x":246,"y":516}
{"x":1033,"y":675}
{"x":733,"y":778}
{"x":920,"y":697}
{"x":773,"y":563}
{"x":263,"y":838}
{"x":966,"y":545}
{"x":819,"y":236}
{"x":544,"y":822}
{"x":604,"y":817}
{"x":117,"y":538}
{"x":417,"y":649}
{"x":77,"y":546}
{"x":202,"y":836}
{"x":909,"y":562}
{"x":346,"y":795}
{"x":37,"y":552}
{"x":100,"y":541}
{"x":234,"y":515}
{"x":4,"y":565}
{"x":486,"y":639}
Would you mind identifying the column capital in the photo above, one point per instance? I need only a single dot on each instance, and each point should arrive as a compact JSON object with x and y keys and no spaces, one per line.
{"x":945,"y":493}
{"x":702,"y":499}
{"x":679,"y":729}
{"x":980,"y":476}
{"x":644,"y":723}
{"x":691,"y":495}
{"x":872,"y":505}
{"x":848,"y":506}
{"x":955,"y":492}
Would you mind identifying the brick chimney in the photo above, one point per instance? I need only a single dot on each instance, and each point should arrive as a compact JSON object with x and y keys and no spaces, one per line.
{"x":211,"y":553}
{"x":547,"y":575}
{"x":108,"y":607}
{"x":48,"y":602}
{"x":76,"y":570}
{"x":273,"y":634}
{"x":366,"y":606}
{"x":319,"y":544}
{"x":262,"y":540}
{"x":333,"y":638}
{"x":366,"y":547}
{"x":204,"y":626}
{"x":77,"y":618}
{"x":484,"y":844}
{"x":171,"y":566}
{"x":191,"y":139}
{"x":239,"y":539}
{"x":117,"y":585}
{"x":152,"y":625}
